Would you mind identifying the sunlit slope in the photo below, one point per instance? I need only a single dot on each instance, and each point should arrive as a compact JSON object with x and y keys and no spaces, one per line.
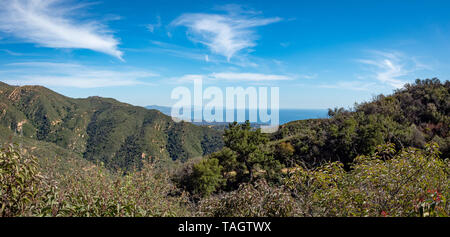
{"x":101,"y":129}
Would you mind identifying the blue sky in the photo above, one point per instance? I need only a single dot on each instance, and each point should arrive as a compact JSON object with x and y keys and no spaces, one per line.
{"x":321,"y":54}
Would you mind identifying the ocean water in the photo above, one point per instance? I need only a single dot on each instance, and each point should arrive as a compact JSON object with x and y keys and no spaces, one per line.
{"x":285,"y":115}
{"x":289,"y":115}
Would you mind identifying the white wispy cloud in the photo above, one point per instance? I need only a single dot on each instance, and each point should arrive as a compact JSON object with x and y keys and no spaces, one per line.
{"x":152,"y":27}
{"x":188,"y":78}
{"x":308,"y":76}
{"x":351,"y":85}
{"x":224,"y":34}
{"x":72,"y":75}
{"x":198,"y":54}
{"x":233,"y":76}
{"x":12,"y":53}
{"x":52,"y":23}
{"x":391,"y":67}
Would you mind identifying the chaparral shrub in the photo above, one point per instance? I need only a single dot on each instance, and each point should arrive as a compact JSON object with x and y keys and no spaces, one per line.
{"x":411,"y":182}
{"x":20,"y":183}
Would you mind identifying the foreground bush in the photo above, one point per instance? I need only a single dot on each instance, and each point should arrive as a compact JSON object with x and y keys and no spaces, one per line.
{"x":20,"y":183}
{"x":91,"y":191}
{"x":411,"y":182}
{"x":250,"y":200}
{"x":94,"y":192}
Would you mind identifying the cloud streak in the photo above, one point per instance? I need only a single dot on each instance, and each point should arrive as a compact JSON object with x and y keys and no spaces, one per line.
{"x":49,"y":23}
{"x":72,"y":75}
{"x":152,"y":27}
{"x":390,"y":67}
{"x":12,"y":53}
{"x":234,"y":77}
{"x":351,"y":85}
{"x":224,"y":34}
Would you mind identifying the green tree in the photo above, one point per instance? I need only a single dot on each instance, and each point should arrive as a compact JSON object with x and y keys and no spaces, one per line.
{"x":284,"y":152}
{"x":250,"y":148}
{"x":207,"y":176}
{"x":227,"y":159}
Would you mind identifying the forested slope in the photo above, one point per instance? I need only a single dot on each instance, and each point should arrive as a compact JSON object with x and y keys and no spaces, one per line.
{"x":412,"y":116}
{"x":101,"y":129}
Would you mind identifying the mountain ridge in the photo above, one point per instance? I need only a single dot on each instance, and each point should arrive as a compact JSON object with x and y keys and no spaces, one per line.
{"x":102,"y":129}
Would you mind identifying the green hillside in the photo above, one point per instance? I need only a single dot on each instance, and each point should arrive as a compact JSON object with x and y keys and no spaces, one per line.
{"x":411,"y":117}
{"x":387,"y":157}
{"x":416,"y":117}
{"x":101,"y":129}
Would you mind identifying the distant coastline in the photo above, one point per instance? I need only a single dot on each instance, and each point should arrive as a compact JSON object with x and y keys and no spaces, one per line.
{"x":286,"y":115}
